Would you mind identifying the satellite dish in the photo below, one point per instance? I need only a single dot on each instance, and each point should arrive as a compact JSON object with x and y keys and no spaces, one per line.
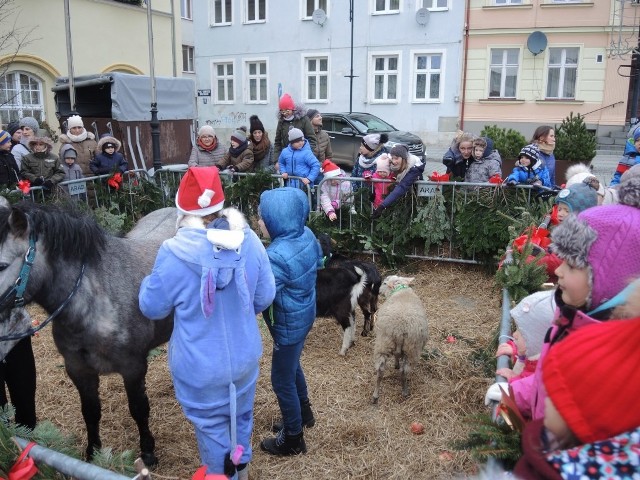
{"x":319,"y":17}
{"x":537,"y":42}
{"x":422,"y":16}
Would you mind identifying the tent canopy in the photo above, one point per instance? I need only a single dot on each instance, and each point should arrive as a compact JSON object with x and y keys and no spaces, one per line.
{"x":126,"y":97}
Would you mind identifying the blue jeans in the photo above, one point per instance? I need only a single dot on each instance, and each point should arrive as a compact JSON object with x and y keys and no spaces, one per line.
{"x":289,"y":384}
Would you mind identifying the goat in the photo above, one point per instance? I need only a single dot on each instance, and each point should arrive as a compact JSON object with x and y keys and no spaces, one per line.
{"x":368,"y":300}
{"x":337,"y":292}
{"x":401,"y":330}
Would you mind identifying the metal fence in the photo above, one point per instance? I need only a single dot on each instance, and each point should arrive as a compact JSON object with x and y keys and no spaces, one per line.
{"x":425,"y":203}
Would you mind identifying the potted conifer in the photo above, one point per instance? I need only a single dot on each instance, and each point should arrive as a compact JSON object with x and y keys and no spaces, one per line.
{"x":574,"y":144}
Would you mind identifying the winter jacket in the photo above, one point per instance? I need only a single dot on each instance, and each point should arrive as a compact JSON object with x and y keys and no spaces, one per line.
{"x":214,"y":293}
{"x":41,"y":166}
{"x":629,"y":159}
{"x":263,"y":159}
{"x":103,"y":163}
{"x":365,"y":167}
{"x":299,"y":120}
{"x":480,"y":171}
{"x":294,"y":254}
{"x":405,"y":180}
{"x":332,"y":197}
{"x":615,"y":458}
{"x":201,"y":158}
{"x":9,"y":170}
{"x":20,"y":150}
{"x":455,"y":163}
{"x":529,"y":175}
{"x":549,"y":161}
{"x":299,"y":163}
{"x":241,"y":163}
{"x":322,"y":150}
{"x":86,"y":150}
{"x":381,"y":189}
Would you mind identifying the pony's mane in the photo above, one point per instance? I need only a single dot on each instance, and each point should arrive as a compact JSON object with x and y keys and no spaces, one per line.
{"x":66,"y":233}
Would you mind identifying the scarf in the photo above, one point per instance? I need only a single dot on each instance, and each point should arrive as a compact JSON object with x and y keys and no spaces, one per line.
{"x":261,"y":148}
{"x":546,"y":148}
{"x":369,"y":160}
{"x":78,"y":138}
{"x":235,"y":152}
{"x":211,"y":147}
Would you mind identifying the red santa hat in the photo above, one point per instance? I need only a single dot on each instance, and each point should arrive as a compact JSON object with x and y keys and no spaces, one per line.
{"x":200,"y":192}
{"x":330,"y":169}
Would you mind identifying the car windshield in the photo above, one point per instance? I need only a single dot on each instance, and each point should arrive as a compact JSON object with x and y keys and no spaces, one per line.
{"x":371,"y":124}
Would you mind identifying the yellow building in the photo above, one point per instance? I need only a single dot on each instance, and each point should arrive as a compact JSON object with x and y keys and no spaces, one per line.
{"x":106,"y":36}
{"x":531,"y":62}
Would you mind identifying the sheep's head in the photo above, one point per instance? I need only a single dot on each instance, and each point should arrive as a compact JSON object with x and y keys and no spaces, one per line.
{"x":392,"y":282}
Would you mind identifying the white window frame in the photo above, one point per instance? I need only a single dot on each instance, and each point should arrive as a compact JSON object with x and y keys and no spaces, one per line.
{"x":387,"y":10}
{"x":186,"y":6}
{"x":501,"y":3}
{"x":372,"y":77}
{"x":415,"y":72}
{"x":504,"y":66}
{"x":316,"y":5}
{"x":214,"y":81}
{"x":306,"y":74}
{"x":246,"y":10}
{"x":190,"y":58}
{"x":563,"y":68}
{"x":223,"y":21}
{"x":432,"y":5}
{"x":247,"y":79}
{"x":15,"y":104}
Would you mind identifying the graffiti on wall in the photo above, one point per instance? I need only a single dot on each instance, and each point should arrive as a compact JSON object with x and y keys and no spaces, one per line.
{"x":231,"y":120}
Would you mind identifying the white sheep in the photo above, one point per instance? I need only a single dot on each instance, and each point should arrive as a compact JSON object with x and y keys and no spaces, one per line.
{"x":401,"y":330}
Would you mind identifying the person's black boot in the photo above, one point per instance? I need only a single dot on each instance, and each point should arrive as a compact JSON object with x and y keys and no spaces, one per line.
{"x":308,"y":420}
{"x":283,"y":444}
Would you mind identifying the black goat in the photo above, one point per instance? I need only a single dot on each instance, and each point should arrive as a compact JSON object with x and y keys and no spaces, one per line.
{"x":368,"y":300}
{"x":337,"y":293}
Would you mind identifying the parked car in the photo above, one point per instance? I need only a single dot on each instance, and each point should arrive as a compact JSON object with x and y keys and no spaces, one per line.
{"x":347,"y":129}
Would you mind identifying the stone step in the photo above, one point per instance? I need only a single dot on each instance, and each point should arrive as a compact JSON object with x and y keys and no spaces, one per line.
{"x":620,"y":134}
{"x":605,"y":140}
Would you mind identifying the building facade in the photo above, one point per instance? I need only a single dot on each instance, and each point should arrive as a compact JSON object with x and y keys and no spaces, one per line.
{"x":402,"y":63}
{"x":106,"y":36}
{"x":532,"y":62}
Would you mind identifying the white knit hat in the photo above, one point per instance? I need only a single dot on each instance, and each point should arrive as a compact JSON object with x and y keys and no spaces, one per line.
{"x":74,"y":121}
{"x":533,"y":316}
{"x":206,"y":130}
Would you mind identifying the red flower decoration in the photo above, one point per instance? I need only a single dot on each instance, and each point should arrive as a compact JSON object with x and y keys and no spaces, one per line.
{"x":436,"y":177}
{"x":115,"y":180}
{"x":536,"y":235}
{"x":24,"y":186}
{"x":496,"y":179}
{"x":24,"y":468}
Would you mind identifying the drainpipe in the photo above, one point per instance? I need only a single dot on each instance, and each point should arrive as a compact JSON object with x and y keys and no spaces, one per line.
{"x":464,"y":65}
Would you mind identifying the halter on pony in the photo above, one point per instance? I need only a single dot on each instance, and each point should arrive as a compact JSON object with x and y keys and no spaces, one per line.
{"x":13,"y":297}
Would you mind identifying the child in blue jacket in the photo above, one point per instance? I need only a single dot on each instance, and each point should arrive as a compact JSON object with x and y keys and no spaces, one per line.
{"x":529,"y":169}
{"x":629,"y":159}
{"x":294,"y":253}
{"x":109,"y":159}
{"x":298,"y":160}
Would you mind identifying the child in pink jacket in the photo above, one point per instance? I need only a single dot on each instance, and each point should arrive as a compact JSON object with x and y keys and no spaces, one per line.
{"x":383,"y":172}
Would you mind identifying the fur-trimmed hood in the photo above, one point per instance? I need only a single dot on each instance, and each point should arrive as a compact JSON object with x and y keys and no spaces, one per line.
{"x":299,"y":111}
{"x":109,"y":139}
{"x":45,"y":140}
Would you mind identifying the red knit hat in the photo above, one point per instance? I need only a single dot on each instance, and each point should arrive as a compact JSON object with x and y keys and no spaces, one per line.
{"x":593,"y":379}
{"x":286,"y":102}
{"x":330,"y":169}
{"x":200,"y":192}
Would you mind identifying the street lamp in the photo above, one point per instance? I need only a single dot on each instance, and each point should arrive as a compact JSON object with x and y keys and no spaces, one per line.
{"x":155,"y":123}
{"x":351,"y":75}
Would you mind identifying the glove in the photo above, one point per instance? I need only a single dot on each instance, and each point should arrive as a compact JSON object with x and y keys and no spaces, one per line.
{"x":37,"y":182}
{"x":494,"y":393}
{"x":512,"y":183}
{"x":377,"y":212}
{"x":48,"y":184}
